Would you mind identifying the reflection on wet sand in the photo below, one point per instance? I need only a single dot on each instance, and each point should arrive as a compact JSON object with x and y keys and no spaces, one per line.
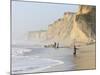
{"x":85,"y":58}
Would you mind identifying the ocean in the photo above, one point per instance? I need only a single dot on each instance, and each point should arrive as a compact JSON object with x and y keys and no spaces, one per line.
{"x":36,"y":60}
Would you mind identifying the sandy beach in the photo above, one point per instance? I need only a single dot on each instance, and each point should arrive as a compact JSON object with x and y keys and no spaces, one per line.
{"x":85,"y":59}
{"x":64,"y":40}
{"x":54,"y":59}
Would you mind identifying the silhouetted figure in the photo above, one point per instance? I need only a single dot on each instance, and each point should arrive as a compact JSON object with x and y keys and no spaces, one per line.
{"x":54,"y":44}
{"x":58,"y":45}
{"x":74,"y":50}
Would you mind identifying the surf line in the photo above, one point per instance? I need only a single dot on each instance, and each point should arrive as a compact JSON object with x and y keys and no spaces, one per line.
{"x":58,"y":62}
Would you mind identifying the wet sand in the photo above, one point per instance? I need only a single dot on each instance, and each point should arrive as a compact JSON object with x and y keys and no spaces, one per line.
{"x":84,"y":60}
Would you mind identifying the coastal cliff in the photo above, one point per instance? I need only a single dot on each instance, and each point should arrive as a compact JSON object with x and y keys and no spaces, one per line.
{"x":37,"y":35}
{"x":84,"y":26}
{"x":72,"y":28}
{"x":60,"y":30}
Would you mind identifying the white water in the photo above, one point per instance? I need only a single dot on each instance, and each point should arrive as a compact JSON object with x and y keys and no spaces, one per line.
{"x":22,"y":63}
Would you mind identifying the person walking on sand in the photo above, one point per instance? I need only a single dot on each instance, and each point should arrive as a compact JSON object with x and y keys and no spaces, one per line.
{"x":74,"y":50}
{"x":55,"y":44}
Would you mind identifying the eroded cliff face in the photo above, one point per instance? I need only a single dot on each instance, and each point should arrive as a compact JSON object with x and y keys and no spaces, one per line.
{"x":84,"y":27}
{"x":60,"y":30}
{"x":72,"y":28}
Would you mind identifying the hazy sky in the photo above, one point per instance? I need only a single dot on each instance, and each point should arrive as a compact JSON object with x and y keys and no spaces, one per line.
{"x":32,"y":16}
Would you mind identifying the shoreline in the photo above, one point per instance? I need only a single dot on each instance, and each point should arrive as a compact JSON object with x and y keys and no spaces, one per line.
{"x":85,"y":59}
